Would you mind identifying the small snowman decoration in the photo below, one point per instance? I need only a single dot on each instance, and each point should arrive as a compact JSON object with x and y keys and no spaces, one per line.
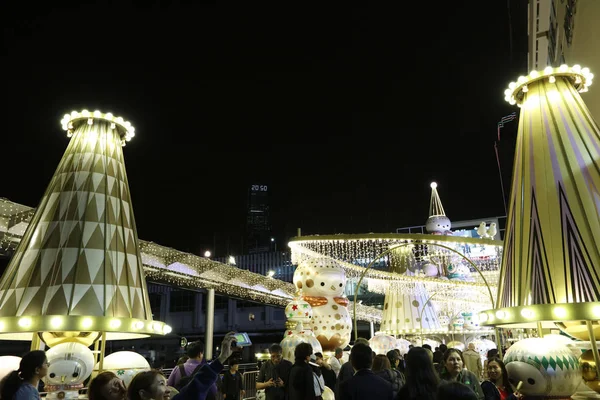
{"x":298,"y":310}
{"x":547,"y":369}
{"x":458,"y":323}
{"x":444,"y":320}
{"x":70,"y":365}
{"x":322,"y":282}
{"x":438,"y":225}
{"x":471,"y":321}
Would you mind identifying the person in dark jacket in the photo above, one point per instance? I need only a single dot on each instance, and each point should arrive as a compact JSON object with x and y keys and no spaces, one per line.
{"x":232,"y":383}
{"x":454,"y":371}
{"x":421,"y":379}
{"x":328,"y":374}
{"x":347,"y":372}
{"x":364,"y":384}
{"x":302,"y":381}
{"x":383,"y":369}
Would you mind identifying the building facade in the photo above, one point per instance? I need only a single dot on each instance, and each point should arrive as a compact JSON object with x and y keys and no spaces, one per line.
{"x":258,"y":219}
{"x":565,"y":32}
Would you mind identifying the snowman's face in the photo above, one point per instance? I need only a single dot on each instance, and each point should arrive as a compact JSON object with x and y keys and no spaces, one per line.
{"x":535,"y":381}
{"x":321,"y":281}
{"x":66,"y":372}
{"x":438,"y":224}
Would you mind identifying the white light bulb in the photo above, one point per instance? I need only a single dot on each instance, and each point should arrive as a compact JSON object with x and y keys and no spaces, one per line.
{"x":56,"y":322}
{"x":433,"y":185}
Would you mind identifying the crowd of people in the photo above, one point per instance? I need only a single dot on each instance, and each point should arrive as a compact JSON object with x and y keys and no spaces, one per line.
{"x":422,"y":374}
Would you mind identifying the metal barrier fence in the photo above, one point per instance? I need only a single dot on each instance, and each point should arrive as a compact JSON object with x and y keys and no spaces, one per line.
{"x":248,"y":382}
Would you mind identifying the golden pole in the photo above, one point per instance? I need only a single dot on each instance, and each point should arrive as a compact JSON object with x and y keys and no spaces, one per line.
{"x":102,"y":349}
{"x":539,"y":329}
{"x":590,"y":329}
{"x":35,"y":342}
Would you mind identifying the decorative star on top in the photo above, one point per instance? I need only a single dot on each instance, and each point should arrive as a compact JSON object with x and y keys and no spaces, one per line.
{"x":305,"y":305}
{"x":294,"y":307}
{"x":121,"y":372}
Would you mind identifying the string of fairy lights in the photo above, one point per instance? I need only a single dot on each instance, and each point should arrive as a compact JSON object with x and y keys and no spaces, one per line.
{"x":14,"y":219}
{"x":166,"y":265}
{"x":396,"y":259}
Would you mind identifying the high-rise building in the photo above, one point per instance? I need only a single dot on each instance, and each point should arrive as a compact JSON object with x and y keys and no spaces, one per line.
{"x":566,"y":32}
{"x":258,"y":220}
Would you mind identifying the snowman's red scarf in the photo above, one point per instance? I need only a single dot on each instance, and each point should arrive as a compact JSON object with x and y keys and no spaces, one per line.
{"x":317,"y":301}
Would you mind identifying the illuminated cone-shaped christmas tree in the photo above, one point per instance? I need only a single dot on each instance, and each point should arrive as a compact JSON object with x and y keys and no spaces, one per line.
{"x":551,"y":262}
{"x":408,"y":311}
{"x":78,"y":266}
{"x":437,"y":223}
{"x":406,"y":308}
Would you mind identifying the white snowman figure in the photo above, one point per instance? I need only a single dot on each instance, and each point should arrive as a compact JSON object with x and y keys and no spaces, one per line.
{"x":547,"y":369}
{"x":471,"y":321}
{"x":70,"y":365}
{"x":458,"y":323}
{"x":322,"y":282}
{"x":438,"y":225}
{"x":444,"y":320}
{"x":430,"y":269}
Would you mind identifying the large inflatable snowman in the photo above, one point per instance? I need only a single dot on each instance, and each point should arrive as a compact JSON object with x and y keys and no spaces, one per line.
{"x":322,"y":282}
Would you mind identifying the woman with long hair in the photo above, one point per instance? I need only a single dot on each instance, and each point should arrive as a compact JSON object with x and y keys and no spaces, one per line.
{"x":107,"y":386}
{"x":22,"y":384}
{"x":421,"y":379}
{"x":497,"y":386}
{"x":382,"y":368}
{"x":454,"y":371}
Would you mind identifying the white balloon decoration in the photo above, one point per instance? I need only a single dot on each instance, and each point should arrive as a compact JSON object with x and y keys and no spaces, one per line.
{"x":125,"y":364}
{"x":8,"y":364}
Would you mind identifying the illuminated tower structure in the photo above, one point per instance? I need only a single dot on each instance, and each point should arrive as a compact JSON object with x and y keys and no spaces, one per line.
{"x":550,"y":269}
{"x":258,"y":222}
{"x":77,"y":273}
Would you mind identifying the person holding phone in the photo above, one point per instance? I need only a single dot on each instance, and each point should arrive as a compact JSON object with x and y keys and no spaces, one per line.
{"x":273,"y":375}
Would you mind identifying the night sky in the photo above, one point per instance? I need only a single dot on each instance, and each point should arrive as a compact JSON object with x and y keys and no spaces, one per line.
{"x":346,"y":114}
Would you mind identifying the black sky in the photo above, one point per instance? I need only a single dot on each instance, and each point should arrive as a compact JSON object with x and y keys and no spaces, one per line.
{"x":347,"y":114}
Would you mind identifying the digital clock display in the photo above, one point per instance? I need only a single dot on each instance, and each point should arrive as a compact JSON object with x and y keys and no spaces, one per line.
{"x":259,"y":188}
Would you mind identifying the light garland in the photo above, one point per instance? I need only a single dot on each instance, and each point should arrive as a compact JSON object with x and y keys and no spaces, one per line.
{"x":355,"y":252}
{"x":581,"y":78}
{"x":173,"y":267}
{"x":125,"y":129}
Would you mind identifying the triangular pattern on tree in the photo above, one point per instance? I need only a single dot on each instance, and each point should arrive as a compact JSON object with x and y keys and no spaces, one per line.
{"x":81,"y":244}
{"x":542,"y":291}
{"x":582,"y":273}
{"x":508,"y":265}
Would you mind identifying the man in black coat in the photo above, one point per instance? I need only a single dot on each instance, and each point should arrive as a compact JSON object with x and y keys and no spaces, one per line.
{"x":302,"y":383}
{"x":364,"y":384}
